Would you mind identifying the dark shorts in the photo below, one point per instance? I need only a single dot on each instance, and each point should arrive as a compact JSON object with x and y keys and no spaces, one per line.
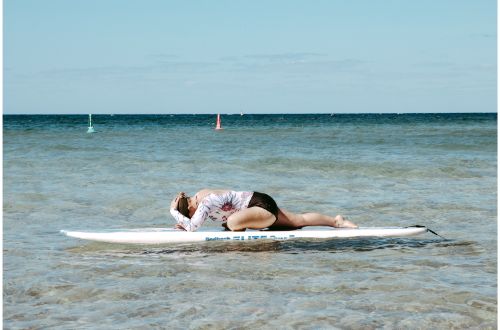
{"x":264,"y":201}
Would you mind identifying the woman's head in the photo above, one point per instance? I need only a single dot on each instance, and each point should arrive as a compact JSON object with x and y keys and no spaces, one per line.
{"x":183,"y":206}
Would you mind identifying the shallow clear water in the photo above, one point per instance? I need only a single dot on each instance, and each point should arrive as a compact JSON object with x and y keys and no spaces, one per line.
{"x":379,"y":170}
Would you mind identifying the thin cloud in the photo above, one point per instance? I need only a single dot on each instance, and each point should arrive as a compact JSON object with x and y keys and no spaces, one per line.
{"x":294,"y":63}
{"x":483,"y":35}
{"x":456,"y":67}
{"x":171,"y":67}
{"x":284,"y":56}
{"x":281,"y":57}
{"x":235,"y":68}
{"x":163,"y":56}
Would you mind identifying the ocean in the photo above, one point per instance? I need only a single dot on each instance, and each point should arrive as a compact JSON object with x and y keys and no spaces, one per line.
{"x":437,"y":170}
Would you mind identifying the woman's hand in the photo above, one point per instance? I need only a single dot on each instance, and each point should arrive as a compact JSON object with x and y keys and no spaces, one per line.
{"x":179,"y":226}
{"x":175,"y":201}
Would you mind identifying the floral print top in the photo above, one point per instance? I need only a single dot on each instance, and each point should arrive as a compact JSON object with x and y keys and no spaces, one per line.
{"x":216,"y":207}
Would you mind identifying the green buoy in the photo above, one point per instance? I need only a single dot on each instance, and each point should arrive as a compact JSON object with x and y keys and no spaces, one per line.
{"x":91,"y":128}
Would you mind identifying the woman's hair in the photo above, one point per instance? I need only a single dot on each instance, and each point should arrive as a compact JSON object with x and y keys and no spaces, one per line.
{"x":182,"y":207}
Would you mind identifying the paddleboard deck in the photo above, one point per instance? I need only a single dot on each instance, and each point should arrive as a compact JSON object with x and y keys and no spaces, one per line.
{"x":168,"y":235}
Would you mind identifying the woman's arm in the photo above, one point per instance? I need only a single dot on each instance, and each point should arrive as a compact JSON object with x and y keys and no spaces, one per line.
{"x":199,"y":217}
{"x":183,"y":221}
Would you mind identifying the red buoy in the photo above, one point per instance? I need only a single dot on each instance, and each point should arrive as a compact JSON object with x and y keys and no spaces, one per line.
{"x":218,"y":126}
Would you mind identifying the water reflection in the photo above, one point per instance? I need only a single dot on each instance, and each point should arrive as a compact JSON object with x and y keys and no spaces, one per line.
{"x":357,"y":245}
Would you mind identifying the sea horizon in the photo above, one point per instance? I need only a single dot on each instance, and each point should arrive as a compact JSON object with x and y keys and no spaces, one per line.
{"x":248,"y":113}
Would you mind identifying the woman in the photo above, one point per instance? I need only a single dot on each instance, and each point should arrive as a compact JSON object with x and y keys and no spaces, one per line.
{"x":239,"y":210}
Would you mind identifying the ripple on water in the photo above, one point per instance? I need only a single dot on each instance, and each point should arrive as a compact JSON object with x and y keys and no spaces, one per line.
{"x":379,"y":170}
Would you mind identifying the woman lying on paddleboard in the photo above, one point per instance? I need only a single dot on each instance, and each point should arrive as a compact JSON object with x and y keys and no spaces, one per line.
{"x":239,"y":210}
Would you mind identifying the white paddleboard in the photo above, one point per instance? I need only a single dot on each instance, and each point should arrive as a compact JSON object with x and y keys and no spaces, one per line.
{"x":168,"y":235}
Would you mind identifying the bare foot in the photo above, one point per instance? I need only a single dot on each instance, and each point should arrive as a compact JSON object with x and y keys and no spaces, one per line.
{"x":340,"y":222}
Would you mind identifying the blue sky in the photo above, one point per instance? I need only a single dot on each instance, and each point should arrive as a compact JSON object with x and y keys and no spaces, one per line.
{"x":122,"y":56}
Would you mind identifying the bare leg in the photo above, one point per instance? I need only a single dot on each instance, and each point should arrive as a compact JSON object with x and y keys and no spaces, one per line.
{"x":253,"y":218}
{"x":292,"y":220}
